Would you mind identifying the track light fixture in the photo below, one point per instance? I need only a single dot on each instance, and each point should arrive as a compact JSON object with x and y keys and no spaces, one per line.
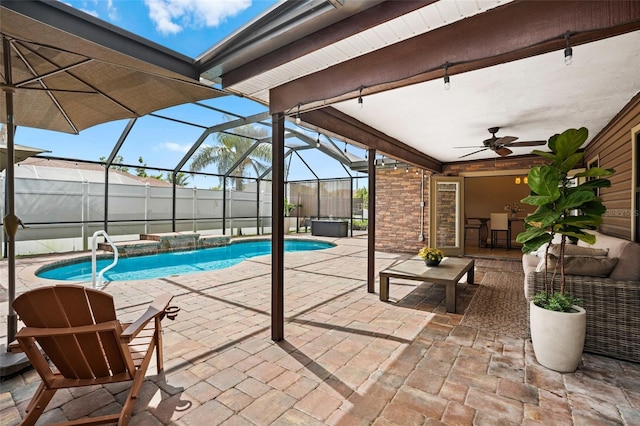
{"x":382,"y":162}
{"x":407,"y":169}
{"x":568,"y":51}
{"x":366,"y":154}
{"x":298,"y":115}
{"x":360,"y":102}
{"x":395,"y":166}
{"x":417,"y":172}
{"x":345,"y":147}
{"x":318,"y":141}
{"x":447,"y":81}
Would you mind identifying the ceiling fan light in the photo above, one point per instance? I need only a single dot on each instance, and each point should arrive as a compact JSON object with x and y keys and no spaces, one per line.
{"x":568,"y":55}
{"x":447,"y":81}
{"x":568,"y":51}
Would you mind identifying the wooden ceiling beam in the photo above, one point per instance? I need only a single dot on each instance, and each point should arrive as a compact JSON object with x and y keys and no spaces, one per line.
{"x":348,"y":27}
{"x":342,"y":124}
{"x":510,"y":32}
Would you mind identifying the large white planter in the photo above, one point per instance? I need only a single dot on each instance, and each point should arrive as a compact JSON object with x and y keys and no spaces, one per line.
{"x":558,"y":337}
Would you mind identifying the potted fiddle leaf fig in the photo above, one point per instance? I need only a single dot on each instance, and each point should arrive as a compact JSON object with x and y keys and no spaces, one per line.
{"x":567,"y":209}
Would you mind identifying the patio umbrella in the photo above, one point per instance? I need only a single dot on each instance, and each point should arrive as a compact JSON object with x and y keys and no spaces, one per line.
{"x":64,"y":70}
{"x":20,"y":153}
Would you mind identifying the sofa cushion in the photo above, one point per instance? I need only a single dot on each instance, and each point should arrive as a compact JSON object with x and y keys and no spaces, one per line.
{"x":557,"y":239}
{"x":628,"y":267}
{"x":575,"y":250}
{"x":529,"y":263}
{"x":615,"y":245}
{"x":593,"y":266}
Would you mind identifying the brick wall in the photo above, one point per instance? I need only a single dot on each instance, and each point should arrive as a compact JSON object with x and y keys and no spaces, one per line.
{"x":445,"y":203}
{"x":492,"y":165}
{"x":398,"y":201}
{"x":398,"y":198}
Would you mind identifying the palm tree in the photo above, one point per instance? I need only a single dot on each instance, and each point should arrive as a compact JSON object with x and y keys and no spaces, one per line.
{"x":181,"y":178}
{"x":230,"y":149}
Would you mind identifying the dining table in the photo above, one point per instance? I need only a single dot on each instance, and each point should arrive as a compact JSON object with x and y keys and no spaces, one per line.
{"x":484,"y":226}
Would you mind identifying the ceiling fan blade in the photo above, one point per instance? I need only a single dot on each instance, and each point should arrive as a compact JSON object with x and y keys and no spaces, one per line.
{"x":503,"y":151}
{"x":505,"y":140}
{"x":474,"y":152}
{"x":527,"y":143}
{"x":471,"y":146}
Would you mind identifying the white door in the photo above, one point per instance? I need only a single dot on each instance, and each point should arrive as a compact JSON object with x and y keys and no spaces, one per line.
{"x":446,"y":214}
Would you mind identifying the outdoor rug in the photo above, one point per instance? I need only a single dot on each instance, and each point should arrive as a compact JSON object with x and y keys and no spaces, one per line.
{"x":499,"y":305}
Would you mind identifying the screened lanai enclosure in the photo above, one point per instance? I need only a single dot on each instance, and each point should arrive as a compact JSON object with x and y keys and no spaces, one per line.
{"x":220,"y":186}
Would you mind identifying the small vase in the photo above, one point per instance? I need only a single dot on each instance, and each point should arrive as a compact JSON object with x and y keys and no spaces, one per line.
{"x":430,"y":262}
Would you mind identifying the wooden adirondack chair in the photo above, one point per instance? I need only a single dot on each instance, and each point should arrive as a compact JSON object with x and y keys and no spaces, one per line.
{"x":77,"y":329}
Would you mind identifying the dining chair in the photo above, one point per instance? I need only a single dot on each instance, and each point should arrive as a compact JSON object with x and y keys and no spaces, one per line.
{"x":500,"y":223}
{"x":471,"y":226}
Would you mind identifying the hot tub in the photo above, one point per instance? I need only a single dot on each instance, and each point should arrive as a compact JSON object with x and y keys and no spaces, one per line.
{"x":329,"y":227}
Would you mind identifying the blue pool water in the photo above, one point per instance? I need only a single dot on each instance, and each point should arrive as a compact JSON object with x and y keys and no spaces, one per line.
{"x":175,"y":263}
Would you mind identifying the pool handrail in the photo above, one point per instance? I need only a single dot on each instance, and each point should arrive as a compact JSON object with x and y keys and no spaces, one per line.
{"x":98,"y":284}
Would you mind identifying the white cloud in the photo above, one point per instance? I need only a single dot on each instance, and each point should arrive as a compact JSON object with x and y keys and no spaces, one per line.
{"x":112,"y":11}
{"x":93,"y":13}
{"x":175,"y":147}
{"x":172,"y":16}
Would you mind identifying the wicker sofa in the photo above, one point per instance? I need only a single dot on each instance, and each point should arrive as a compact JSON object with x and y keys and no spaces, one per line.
{"x":612,"y":303}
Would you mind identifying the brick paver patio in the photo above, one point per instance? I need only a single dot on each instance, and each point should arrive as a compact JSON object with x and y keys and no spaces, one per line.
{"x":347,"y":359}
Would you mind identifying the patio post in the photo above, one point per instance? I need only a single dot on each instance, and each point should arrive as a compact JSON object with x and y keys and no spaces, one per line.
{"x":277,"y":234}
{"x":371,"y":228}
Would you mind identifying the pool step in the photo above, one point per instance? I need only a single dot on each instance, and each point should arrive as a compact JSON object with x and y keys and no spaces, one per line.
{"x":174,"y":240}
{"x":207,"y":241}
{"x":132,"y":248}
{"x":166,"y":242}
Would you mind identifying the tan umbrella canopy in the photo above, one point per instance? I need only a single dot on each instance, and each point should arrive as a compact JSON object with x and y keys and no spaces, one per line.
{"x":66,"y":83}
{"x":20,"y":152}
{"x":64,"y":70}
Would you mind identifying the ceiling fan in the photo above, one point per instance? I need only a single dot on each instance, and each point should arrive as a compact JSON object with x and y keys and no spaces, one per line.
{"x":500,"y":144}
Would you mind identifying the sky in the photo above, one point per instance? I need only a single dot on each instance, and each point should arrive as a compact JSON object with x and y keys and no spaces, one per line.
{"x":189,"y":27}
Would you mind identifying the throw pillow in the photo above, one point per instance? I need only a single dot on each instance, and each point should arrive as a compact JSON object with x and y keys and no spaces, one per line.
{"x":575,"y":250}
{"x":590,"y":266}
{"x":543,"y":248}
{"x":628,"y":267}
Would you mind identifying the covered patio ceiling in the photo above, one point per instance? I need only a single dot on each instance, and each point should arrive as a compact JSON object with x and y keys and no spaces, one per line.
{"x":505,"y":60}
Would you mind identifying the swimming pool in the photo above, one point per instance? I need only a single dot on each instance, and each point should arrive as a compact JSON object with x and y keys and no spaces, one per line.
{"x":174,"y":263}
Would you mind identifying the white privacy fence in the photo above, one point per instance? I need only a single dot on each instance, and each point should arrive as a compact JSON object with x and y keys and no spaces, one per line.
{"x":62,"y":215}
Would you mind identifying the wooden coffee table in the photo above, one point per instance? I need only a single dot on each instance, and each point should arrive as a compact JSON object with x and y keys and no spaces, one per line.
{"x":449,"y":272}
